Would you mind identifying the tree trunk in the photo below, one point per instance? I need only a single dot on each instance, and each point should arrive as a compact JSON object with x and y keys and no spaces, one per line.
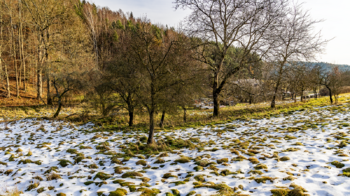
{"x":151,"y":127}
{"x":330,"y":94}
{"x":131,"y":117}
{"x":302,"y":96}
{"x":161,"y":124}
{"x":48,"y":82}
{"x":273,"y":102}
{"x":8,"y":90}
{"x":185,"y":114}
{"x":49,"y":98}
{"x":216,"y":104}
{"x":39,"y":84}
{"x":250,"y":99}
{"x":315,"y":93}
{"x":59,"y":108}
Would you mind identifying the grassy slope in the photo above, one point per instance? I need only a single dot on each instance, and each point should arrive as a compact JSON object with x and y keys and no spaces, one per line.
{"x":195,"y":117}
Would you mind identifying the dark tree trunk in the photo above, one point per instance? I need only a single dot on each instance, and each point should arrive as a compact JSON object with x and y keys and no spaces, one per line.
{"x":185,"y":114}
{"x":59,"y":108}
{"x":216,"y":104}
{"x":330,"y":94}
{"x":39,"y":84}
{"x":161,"y":124}
{"x":151,"y":127}
{"x":49,"y":98}
{"x":315,"y":93}
{"x":273,"y":102}
{"x":131,"y":117}
{"x":302,"y":96}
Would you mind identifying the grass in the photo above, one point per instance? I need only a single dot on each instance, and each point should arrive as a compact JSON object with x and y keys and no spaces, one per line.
{"x":337,"y":164}
{"x":174,"y":121}
{"x":12,"y":192}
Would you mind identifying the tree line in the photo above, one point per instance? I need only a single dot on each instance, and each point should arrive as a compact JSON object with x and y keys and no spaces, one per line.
{"x":227,"y":50}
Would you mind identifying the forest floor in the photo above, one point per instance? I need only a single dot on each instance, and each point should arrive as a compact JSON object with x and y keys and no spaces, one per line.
{"x":294,"y":152}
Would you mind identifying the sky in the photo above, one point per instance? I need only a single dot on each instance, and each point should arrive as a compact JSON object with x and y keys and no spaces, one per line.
{"x":335,"y":27}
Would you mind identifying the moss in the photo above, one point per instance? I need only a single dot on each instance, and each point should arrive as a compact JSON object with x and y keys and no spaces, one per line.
{"x":280,"y":192}
{"x":291,"y":150}
{"x":260,"y":166}
{"x":191,"y":193}
{"x":64,"y":162}
{"x":175,"y":192}
{"x":203,"y":162}
{"x":61,"y":194}
{"x":87,"y":183}
{"x":3,"y":163}
{"x":183,"y":160}
{"x":102,"y":176}
{"x":226,"y":172}
{"x":51,"y":169}
{"x":93,"y":166}
{"x":119,"y":170}
{"x":177,"y":183}
{"x":284,"y":158}
{"x":239,"y":158}
{"x":148,"y":192}
{"x":116,"y":160}
{"x":79,"y":158}
{"x":141,"y":162}
{"x":254,"y":160}
{"x":159,"y":161}
{"x":38,"y":178}
{"x":342,"y":144}
{"x":346,"y":172}
{"x":255,"y":172}
{"x":200,"y":178}
{"x":32,"y":186}
{"x":223,"y":160}
{"x":298,"y":144}
{"x":252,"y":151}
{"x":53,"y":176}
{"x":289,"y":137}
{"x":8,"y":172}
{"x":118,"y":192}
{"x":132,"y":174}
{"x":40,"y":190}
{"x":337,"y":164}
{"x":122,"y":182}
{"x":263,"y":179}
{"x":145,"y":179}
{"x":291,"y":178}
{"x":169,"y":175}
{"x":223,"y":189}
{"x":198,"y":168}
{"x":72,"y":151}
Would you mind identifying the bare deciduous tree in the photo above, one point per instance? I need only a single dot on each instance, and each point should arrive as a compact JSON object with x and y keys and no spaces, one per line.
{"x":294,"y":41}
{"x":225,"y":24}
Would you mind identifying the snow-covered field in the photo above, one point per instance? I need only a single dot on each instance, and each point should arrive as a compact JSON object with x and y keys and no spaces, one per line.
{"x":302,"y":151}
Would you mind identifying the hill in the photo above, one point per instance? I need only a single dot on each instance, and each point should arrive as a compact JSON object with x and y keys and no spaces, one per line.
{"x":329,"y":66}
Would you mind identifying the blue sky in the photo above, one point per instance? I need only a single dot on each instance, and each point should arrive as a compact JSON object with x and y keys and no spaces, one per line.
{"x":335,"y":13}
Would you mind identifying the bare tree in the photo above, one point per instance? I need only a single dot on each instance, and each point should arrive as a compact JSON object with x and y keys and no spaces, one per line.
{"x":225,"y":24}
{"x":294,"y":41}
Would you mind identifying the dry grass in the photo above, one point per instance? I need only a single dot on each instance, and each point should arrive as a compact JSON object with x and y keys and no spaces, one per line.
{"x":11,"y":192}
{"x":195,"y":117}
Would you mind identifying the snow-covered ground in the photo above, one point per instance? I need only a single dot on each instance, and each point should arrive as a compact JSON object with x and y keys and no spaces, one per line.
{"x":293,"y":149}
